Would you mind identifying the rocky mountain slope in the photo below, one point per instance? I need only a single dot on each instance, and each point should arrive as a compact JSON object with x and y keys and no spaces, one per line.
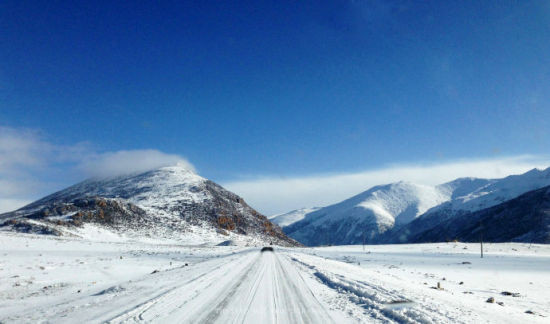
{"x":167,"y":203}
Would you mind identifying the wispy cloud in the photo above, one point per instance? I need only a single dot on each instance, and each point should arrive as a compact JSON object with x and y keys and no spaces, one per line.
{"x":272,"y":195}
{"x":120,"y":162}
{"x":32,"y":166}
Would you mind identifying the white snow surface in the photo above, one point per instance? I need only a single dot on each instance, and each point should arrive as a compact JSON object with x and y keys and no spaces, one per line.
{"x":68,"y":280}
{"x":387,"y":204}
{"x":292,"y":216}
{"x":367,"y":214}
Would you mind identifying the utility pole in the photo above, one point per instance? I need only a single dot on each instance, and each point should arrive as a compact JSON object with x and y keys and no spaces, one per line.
{"x":481,"y":236}
{"x":363,"y":240}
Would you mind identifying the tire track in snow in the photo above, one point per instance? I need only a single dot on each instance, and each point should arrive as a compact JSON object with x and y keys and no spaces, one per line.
{"x":275,"y":293}
{"x":247,"y":287}
{"x":230,"y":294}
{"x":171,"y":304}
{"x":255,"y":288}
{"x":298,"y":293}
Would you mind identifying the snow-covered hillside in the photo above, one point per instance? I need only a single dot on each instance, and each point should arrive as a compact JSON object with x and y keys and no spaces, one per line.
{"x":170,"y":202}
{"x":365,"y":216}
{"x":292,"y":216}
{"x":493,"y":193}
{"x":522,"y":219}
{"x":396,"y":212}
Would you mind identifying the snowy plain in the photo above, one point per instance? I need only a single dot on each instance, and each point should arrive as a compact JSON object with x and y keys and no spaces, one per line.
{"x":61,"y":279}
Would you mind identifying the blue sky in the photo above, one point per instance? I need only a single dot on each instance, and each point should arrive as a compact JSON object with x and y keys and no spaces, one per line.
{"x":278,"y":88}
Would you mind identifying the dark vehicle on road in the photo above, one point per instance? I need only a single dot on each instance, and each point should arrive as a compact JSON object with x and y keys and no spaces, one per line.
{"x":267,"y":248}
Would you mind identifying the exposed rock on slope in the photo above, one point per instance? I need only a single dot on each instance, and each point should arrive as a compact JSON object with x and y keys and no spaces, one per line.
{"x":170,"y":202}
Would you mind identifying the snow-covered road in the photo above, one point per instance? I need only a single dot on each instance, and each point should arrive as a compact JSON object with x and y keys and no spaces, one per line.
{"x":246,"y":286}
{"x":251,"y":287}
{"x":62,"y":280}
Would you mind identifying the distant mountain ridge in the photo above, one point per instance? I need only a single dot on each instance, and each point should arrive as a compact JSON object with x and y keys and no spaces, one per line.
{"x":398,"y":212}
{"x":169,"y":202}
{"x":494,"y":192}
{"x":522,"y":219}
{"x":365,"y":216}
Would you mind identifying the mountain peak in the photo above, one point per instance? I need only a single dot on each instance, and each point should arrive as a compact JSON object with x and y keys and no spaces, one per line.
{"x":169,"y":202}
{"x":366,"y":215}
{"x":535,"y":172}
{"x":179,"y":166}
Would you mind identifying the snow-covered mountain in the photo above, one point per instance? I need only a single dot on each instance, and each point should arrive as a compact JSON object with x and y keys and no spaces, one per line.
{"x":166,"y":203}
{"x":492,"y":193}
{"x":291,"y":217}
{"x":522,"y":219}
{"x":365,"y":216}
{"x":496,"y":191}
{"x":397,"y":212}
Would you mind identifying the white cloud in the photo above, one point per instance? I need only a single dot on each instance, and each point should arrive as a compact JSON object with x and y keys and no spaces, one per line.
{"x":277,"y":195}
{"x":24,"y":149}
{"x":121,"y":162}
{"x":19,"y":148}
{"x":7,"y":205}
{"x":31,"y":166}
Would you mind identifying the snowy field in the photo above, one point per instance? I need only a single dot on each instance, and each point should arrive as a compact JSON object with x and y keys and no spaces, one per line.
{"x":52,"y":279}
{"x":383,"y":274}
